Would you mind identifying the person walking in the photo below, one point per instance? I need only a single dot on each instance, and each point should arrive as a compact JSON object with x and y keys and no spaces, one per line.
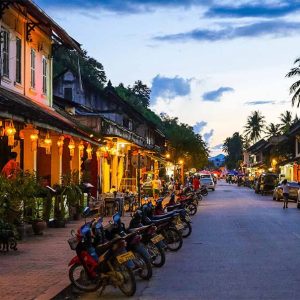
{"x":285,"y":190}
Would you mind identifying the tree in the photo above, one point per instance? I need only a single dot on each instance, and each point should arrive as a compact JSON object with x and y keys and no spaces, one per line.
{"x":142,"y":92}
{"x":272,"y":130}
{"x":233,"y":147}
{"x":295,"y":87}
{"x":254,"y":126}
{"x":92,"y":71}
{"x":286,"y":121}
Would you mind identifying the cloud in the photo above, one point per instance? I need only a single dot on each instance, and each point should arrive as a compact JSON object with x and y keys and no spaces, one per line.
{"x":272,"y":29}
{"x":198,"y":127}
{"x":217,"y":147}
{"x":208,"y":135}
{"x":259,"y":9}
{"x":260,"y":102}
{"x":215,"y":96}
{"x":169,"y":87}
{"x":122,"y":6}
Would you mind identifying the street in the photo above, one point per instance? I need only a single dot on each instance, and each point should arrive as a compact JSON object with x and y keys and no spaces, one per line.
{"x":243,"y":246}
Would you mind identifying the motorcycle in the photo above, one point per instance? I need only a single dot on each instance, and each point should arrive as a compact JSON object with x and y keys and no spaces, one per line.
{"x":152,"y":241}
{"x":165,"y":227}
{"x":95,"y":268}
{"x":142,"y":260}
{"x":183,"y":222}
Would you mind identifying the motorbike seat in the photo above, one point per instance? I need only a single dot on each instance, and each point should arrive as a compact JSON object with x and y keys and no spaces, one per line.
{"x":173,"y":207}
{"x":159,"y":221}
{"x":159,"y":217}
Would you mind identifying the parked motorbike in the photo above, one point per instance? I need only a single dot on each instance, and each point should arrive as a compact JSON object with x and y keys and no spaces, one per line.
{"x":165,"y":227}
{"x":97,"y":267}
{"x":142,"y":260}
{"x":182,"y":222}
{"x":152,"y":241}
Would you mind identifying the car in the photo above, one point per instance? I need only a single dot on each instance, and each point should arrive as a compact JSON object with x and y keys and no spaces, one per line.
{"x":293,"y":191}
{"x":208,"y":182}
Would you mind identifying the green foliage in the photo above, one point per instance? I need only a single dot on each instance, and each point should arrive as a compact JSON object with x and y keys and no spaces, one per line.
{"x":254,"y":126}
{"x":295,"y":87}
{"x":233,"y":146}
{"x":286,"y":120}
{"x":17,"y":193}
{"x":92,"y":71}
{"x":272,"y":130}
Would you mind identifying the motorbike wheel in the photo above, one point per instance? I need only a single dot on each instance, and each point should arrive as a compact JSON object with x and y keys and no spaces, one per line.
{"x":81,"y":280}
{"x":173,"y":239}
{"x":204,"y":193}
{"x":128,"y":286}
{"x":192,"y":209}
{"x":187,"y":229}
{"x":143,"y":262}
{"x":157,"y":254}
{"x":199,"y":196}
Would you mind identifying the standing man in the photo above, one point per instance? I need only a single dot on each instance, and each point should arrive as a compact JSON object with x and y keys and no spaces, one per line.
{"x":12,"y":168}
{"x":156,"y":187}
{"x":285,"y":190}
{"x":196,"y":183}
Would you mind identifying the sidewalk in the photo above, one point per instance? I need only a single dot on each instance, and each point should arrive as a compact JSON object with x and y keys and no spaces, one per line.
{"x":39,"y":268}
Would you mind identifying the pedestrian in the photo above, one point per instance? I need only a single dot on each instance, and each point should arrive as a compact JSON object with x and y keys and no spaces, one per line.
{"x":285,"y":190}
{"x":196,"y":183}
{"x":156,"y":187}
{"x":12,"y":168}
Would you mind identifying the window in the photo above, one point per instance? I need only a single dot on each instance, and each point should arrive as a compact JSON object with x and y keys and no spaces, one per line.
{"x":5,"y":52}
{"x":68,"y":93}
{"x":18,"y":60}
{"x":32,"y":68}
{"x":45,"y":66}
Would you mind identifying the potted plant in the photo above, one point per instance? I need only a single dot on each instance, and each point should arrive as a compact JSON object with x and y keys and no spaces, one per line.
{"x":38,"y":224}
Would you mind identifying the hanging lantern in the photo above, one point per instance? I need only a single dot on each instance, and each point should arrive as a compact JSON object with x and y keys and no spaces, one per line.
{"x":34,"y":137}
{"x":98,"y":153}
{"x":10,"y":132}
{"x":48,"y":143}
{"x":71,"y":147}
{"x":81,"y":149}
{"x":60,"y":144}
{"x":89,"y":151}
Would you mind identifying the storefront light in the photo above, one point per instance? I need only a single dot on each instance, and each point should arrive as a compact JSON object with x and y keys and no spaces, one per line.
{"x":10,"y":132}
{"x":71,"y":147}
{"x":34,"y":137}
{"x":81,"y":149}
{"x":89,"y":151}
{"x":48,"y":143}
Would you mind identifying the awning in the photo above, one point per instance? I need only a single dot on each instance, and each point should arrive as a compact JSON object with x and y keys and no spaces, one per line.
{"x":21,"y":108}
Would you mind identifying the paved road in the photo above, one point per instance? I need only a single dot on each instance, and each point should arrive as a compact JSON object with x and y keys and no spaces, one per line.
{"x":244,"y":246}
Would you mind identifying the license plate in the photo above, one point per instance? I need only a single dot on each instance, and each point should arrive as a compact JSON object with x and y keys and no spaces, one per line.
{"x":179,"y":226}
{"x":156,"y":239}
{"x":125,"y":257}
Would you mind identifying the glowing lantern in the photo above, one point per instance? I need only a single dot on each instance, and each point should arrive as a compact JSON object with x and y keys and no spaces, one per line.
{"x":81,"y":149}
{"x":71,"y":147}
{"x":34,"y":137}
{"x":60,"y":144}
{"x":10,"y":132}
{"x":48,"y":143}
{"x":89,"y":151}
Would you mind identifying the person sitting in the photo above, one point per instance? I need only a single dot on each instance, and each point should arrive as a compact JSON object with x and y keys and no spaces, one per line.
{"x":12,"y":168}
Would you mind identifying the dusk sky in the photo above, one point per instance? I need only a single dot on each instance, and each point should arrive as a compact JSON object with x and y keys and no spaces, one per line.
{"x":210,"y":63}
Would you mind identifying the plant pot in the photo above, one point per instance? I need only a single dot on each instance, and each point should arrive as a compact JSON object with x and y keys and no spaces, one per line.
{"x":38,"y":227}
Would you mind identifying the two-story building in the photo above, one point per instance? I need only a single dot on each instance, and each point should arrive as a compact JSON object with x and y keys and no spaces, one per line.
{"x":124,"y":129}
{"x":47,"y":142}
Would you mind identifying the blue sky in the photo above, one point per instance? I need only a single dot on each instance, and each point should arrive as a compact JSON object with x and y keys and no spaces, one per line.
{"x":208,"y":62}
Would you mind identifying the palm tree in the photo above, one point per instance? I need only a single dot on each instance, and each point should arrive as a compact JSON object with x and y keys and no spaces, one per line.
{"x":286,"y":119}
{"x":254,"y":126}
{"x":295,"y":87}
{"x":272,"y":130}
